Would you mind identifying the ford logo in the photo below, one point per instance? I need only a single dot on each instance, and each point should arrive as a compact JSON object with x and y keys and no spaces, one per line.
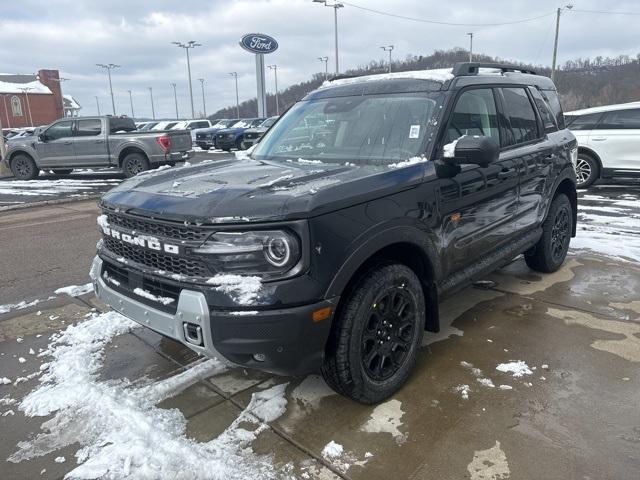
{"x":258,"y":43}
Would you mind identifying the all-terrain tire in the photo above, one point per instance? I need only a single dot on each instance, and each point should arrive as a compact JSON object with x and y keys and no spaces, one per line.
{"x":549,"y":253}
{"x":134,"y":163}
{"x":24,"y":167}
{"x":587,"y":170}
{"x":377,"y":332}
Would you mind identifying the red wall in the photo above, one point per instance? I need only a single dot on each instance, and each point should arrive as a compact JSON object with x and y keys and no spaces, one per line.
{"x":45,"y":108}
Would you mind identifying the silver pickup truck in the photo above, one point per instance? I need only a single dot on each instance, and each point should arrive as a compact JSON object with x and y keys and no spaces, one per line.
{"x":87,"y":142}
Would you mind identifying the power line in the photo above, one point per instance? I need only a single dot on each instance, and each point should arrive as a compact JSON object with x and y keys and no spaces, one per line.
{"x":454,"y":24}
{"x":605,"y":12}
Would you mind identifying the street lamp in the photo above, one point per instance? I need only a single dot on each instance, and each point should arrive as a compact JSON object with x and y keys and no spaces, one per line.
{"x":6,"y":110}
{"x":153,"y":110}
{"x":97,"y":104}
{"x":175,"y":99}
{"x":335,"y":5}
{"x":470,"y":46}
{"x":555,"y":43}
{"x":388,"y":48}
{"x":133,"y":115}
{"x":60,"y":80}
{"x":275,"y":72}
{"x":108,"y":67}
{"x":26,"y":91}
{"x":326,"y":67}
{"x":190,"y":44}
{"x":204,"y":103}
{"x":235,"y":75}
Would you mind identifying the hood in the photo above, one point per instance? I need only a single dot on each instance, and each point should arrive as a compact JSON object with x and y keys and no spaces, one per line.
{"x":256,"y":130}
{"x":247,"y":190}
{"x":231,"y":130}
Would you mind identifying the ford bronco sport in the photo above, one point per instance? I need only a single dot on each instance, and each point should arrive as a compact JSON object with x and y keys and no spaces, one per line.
{"x":329,"y":248}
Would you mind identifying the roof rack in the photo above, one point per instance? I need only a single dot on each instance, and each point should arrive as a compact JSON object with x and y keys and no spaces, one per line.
{"x":465,"y":69}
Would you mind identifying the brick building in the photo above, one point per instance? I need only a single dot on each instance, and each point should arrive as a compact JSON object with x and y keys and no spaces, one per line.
{"x":30,"y":100}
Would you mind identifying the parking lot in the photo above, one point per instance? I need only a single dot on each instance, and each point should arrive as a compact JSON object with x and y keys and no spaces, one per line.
{"x":532,"y":376}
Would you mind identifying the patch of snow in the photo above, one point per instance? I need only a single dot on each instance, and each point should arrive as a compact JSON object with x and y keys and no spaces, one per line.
{"x":75,"y":290}
{"x":8,"y":412}
{"x":386,"y":418}
{"x":5,"y":381}
{"x":21,"y":359}
{"x":463,"y":390}
{"x":332,"y":450}
{"x":229,"y":219}
{"x":242,"y":313}
{"x":17,"y":306}
{"x":505,"y":387}
{"x":243,"y":289}
{"x":490,"y":464}
{"x":273,"y":182}
{"x":449,"y":150}
{"x":60,"y":460}
{"x":486,"y":382}
{"x":303,"y":161}
{"x":409,"y":162}
{"x":440,"y":75}
{"x":148,"y":295}
{"x":517,"y":368}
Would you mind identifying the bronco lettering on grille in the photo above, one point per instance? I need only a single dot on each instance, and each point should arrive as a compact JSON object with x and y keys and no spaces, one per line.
{"x":144,"y":241}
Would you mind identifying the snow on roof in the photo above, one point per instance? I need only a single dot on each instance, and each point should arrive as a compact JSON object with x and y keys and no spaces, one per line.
{"x":70,"y":102}
{"x":10,"y":83}
{"x":436,"y":75}
{"x":605,"y":108}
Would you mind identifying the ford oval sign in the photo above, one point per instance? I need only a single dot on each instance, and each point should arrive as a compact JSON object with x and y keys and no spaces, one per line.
{"x":258,"y":43}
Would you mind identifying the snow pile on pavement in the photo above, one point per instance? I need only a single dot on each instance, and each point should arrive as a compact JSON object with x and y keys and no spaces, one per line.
{"x":386,"y":418}
{"x":17,"y":306}
{"x":44,"y":187}
{"x":121,"y":432}
{"x":75,"y":290}
{"x":243,"y":289}
{"x":463,"y":390}
{"x":332,"y":450}
{"x":517,"y":368}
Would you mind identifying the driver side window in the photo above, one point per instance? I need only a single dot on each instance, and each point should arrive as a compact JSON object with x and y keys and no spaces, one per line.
{"x":57,"y":131}
{"x":474,"y":114}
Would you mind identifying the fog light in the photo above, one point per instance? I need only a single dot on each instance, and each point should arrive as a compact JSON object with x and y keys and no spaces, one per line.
{"x":259,"y":357}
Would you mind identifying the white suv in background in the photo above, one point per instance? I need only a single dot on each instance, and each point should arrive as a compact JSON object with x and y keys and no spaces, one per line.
{"x":608,"y":142}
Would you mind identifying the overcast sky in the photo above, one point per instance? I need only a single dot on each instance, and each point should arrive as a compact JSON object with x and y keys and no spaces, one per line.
{"x":73,"y":36}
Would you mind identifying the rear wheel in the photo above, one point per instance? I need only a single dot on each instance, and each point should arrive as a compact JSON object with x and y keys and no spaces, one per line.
{"x":239,"y":144}
{"x":376,"y":335}
{"x":587,"y":170}
{"x":62,"y":171}
{"x":549,"y":253}
{"x":134,"y":163}
{"x":24,"y":167}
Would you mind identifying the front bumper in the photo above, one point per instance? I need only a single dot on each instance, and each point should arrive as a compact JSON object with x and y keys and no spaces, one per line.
{"x":225,"y":143}
{"x":283,"y":341}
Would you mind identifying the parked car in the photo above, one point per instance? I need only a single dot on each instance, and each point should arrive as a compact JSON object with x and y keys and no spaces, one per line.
{"x":231,"y":137}
{"x":333,"y":256}
{"x":608,"y":142}
{"x":253,"y":135}
{"x":206,"y":139}
{"x":193,"y":126}
{"x":96,"y":142}
{"x":162,"y":126}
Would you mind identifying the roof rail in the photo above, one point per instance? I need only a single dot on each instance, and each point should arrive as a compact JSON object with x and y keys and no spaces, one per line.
{"x":464,"y":69}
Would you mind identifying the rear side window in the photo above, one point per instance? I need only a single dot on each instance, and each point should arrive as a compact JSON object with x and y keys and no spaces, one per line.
{"x":474,"y":114}
{"x":621,"y":119}
{"x":551,"y":97}
{"x":548,"y":119}
{"x":121,"y":125}
{"x":584,"y":122}
{"x":88,"y":128}
{"x":521,"y":115}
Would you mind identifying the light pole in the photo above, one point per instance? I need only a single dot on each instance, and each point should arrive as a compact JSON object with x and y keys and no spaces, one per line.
{"x":326,"y":67}
{"x":204,"y":103}
{"x":470,"y":46}
{"x":97,"y":104}
{"x":190,"y":44}
{"x":335,"y":5}
{"x":6,"y":110}
{"x":388,"y":48}
{"x":133,"y":115}
{"x":153,"y":110}
{"x":108,"y":67}
{"x":60,"y":80}
{"x":26,"y":91}
{"x":235,"y":75}
{"x":275,"y":72}
{"x":555,"y":43}
{"x":175,"y":99}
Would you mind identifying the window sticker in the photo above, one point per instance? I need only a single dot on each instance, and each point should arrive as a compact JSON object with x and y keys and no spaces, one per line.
{"x":414,"y":131}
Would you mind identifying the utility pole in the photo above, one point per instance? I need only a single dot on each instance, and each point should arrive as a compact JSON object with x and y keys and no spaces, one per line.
{"x":235,"y":75}
{"x":470,"y":46}
{"x":4,"y":170}
{"x":204,"y":103}
{"x":326,"y":67}
{"x":153,"y":110}
{"x":275,"y":72}
{"x":97,"y":104}
{"x":26,"y":90}
{"x":133,"y":115}
{"x":388,"y":48}
{"x":108,"y":67}
{"x":6,"y":110}
{"x":60,"y":80}
{"x":175,"y":99}
{"x":555,"y":43}
{"x":187,"y":46}
{"x":335,"y":5}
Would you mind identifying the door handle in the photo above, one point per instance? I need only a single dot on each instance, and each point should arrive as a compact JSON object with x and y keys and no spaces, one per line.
{"x":507,"y":173}
{"x":68,"y":142}
{"x":99,"y":141}
{"x":599,"y":139}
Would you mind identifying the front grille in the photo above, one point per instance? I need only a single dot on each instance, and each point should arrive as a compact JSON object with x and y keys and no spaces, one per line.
{"x":157,"y":260}
{"x":156,"y":229}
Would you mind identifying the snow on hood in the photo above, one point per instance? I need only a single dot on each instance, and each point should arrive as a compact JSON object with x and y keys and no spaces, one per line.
{"x":437,"y":75}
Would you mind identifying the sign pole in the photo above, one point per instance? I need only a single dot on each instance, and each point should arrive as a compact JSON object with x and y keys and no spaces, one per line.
{"x":260,"y":77}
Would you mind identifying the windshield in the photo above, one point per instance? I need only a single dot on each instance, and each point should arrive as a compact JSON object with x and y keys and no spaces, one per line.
{"x":241,"y":124}
{"x":268,"y":122}
{"x":362,"y":129}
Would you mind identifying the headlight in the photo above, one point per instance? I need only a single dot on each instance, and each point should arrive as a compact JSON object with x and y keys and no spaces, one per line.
{"x":268,"y":253}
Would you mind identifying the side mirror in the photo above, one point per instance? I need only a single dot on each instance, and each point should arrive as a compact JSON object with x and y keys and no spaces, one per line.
{"x":42,"y":137}
{"x":472,"y":149}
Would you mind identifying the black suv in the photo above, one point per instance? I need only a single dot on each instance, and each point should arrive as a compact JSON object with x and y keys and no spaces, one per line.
{"x":331,"y":252}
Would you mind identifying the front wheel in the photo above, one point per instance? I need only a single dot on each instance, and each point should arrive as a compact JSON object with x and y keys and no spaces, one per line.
{"x":376,"y":335}
{"x":24,"y":167}
{"x":549,"y":253}
{"x":587,"y":170}
{"x":133,"y":164}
